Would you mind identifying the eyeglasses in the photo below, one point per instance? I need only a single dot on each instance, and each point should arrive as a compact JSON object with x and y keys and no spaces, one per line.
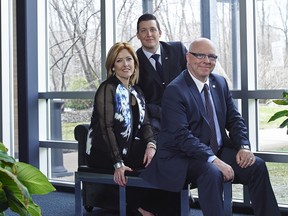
{"x":211,"y":57}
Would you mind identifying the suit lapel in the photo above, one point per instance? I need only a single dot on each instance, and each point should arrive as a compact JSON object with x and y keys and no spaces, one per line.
{"x":165,"y":63}
{"x":214,"y":88}
{"x":149,"y":67}
{"x":196,"y":94}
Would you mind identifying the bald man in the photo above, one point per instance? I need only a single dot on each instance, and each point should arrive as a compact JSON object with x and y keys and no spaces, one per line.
{"x":204,"y":139}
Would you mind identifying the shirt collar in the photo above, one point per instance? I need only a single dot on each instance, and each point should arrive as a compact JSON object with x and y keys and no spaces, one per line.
{"x":149,"y":54}
{"x":198,"y":83}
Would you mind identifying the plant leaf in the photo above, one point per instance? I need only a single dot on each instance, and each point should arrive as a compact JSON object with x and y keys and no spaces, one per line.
{"x":279,"y":114}
{"x":15,"y":204}
{"x":34,"y":209}
{"x":11,"y":183}
{"x":6,"y":158}
{"x":35,"y":181}
{"x":3,"y":148}
{"x":284,"y":124}
{"x":285,"y":94}
{"x":281,"y":102}
{"x":3,"y":200}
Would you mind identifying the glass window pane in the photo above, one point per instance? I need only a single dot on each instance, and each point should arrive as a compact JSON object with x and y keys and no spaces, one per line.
{"x":179,"y":20}
{"x":272,"y":44}
{"x":175,"y":26}
{"x":64,"y":163}
{"x":278,"y":175}
{"x":65,"y":115}
{"x":127,"y":13}
{"x":75,"y":112}
{"x":225,"y":34}
{"x":271,"y":137}
{"x":74,"y":45}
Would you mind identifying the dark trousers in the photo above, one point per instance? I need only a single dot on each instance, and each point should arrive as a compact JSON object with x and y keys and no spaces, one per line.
{"x":209,"y":182}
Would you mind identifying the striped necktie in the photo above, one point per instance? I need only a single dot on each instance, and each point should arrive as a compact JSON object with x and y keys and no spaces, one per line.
{"x":209,"y":110}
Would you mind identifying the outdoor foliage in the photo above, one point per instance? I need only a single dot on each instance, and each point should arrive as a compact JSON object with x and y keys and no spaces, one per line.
{"x":282,"y":113}
{"x":18,"y":181}
{"x":77,"y":84}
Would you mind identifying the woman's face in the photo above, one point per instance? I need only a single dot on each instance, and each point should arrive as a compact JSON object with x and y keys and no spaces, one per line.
{"x":124,"y":65}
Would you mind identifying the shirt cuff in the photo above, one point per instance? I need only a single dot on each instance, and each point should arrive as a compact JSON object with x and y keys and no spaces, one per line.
{"x":211,"y":158}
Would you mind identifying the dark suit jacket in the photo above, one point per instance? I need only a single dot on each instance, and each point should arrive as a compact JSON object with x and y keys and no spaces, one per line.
{"x":173,"y":61}
{"x":185,"y":132}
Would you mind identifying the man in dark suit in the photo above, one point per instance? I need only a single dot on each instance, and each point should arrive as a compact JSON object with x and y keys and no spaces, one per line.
{"x":171,"y":57}
{"x":186,"y":151}
{"x":172,"y":60}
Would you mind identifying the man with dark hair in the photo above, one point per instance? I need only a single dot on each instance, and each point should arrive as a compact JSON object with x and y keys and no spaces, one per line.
{"x":159,"y":63}
{"x":155,"y":75}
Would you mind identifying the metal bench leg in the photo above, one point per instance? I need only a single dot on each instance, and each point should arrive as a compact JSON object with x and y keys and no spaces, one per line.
{"x":122,"y":201}
{"x":78,"y":197}
{"x":228,"y":198}
{"x":185,"y":202}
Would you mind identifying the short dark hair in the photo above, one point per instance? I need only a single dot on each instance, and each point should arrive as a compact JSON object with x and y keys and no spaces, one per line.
{"x":147,"y":17}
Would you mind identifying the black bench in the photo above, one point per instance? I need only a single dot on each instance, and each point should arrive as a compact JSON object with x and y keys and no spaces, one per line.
{"x":86,"y":175}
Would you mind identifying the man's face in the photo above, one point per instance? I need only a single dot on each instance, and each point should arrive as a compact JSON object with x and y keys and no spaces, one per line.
{"x":149,"y":35}
{"x":201,"y":60}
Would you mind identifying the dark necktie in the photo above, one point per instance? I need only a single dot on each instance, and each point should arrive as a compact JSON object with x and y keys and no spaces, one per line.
{"x":209,"y":109}
{"x":159,"y":68}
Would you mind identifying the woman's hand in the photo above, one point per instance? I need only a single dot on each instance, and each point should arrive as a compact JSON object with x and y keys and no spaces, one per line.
{"x":149,"y":153}
{"x":119,"y":175}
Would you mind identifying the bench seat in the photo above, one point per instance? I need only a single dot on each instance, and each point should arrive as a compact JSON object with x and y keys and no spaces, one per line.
{"x":86,"y":174}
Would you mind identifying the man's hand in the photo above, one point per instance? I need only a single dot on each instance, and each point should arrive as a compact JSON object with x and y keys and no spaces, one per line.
{"x":245,"y":158}
{"x":227,"y":171}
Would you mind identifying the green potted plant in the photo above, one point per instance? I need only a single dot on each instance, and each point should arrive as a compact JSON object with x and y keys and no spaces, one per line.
{"x":282,"y":113}
{"x":18,"y":181}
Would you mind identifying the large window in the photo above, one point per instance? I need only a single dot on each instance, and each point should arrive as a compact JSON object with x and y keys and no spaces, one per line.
{"x":272,"y":51}
{"x":8,"y":95}
{"x":74,"y":67}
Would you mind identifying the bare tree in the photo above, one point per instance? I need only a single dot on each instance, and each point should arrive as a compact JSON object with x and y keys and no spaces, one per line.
{"x":283,"y":27}
{"x":74,"y":39}
{"x":75,"y":36}
{"x":272,"y":43}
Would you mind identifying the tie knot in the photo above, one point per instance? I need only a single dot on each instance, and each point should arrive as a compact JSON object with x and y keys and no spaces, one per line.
{"x":206,"y":87}
{"x":155,"y":57}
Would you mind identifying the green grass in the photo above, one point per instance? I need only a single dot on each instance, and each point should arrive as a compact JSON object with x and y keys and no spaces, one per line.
{"x":278,"y":175}
{"x":68,"y":130}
